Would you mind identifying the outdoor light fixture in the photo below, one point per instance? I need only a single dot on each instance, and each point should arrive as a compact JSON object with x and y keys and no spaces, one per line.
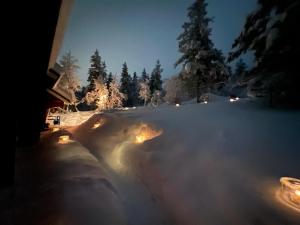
{"x":177,"y":105}
{"x":54,"y":129}
{"x":290,"y":192}
{"x":205,"y":102}
{"x":145,"y":132}
{"x":63,"y":139}
{"x":99,"y":123}
{"x":234,"y":99}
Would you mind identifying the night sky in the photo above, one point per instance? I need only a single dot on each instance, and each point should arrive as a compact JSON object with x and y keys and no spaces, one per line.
{"x":140,"y":32}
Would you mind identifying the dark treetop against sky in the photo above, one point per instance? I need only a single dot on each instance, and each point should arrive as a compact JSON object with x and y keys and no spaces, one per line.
{"x":142,"y":31}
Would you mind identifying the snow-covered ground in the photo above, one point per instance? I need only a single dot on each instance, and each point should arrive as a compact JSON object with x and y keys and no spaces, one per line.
{"x":215,"y":163}
{"x":212,"y":164}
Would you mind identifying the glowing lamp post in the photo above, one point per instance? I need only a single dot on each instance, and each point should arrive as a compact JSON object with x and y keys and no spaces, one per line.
{"x":290,"y":191}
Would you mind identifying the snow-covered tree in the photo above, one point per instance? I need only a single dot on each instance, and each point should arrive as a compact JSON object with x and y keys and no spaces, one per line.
{"x":155,"y":79}
{"x":239,"y":72}
{"x":98,"y":96}
{"x":204,"y":64}
{"x":126,"y":85}
{"x":144,"y":92}
{"x":240,"y":67}
{"x":156,"y":98}
{"x":97,"y":70}
{"x":174,"y":90}
{"x":269,"y":32}
{"x":116,"y":97}
{"x":69,"y":79}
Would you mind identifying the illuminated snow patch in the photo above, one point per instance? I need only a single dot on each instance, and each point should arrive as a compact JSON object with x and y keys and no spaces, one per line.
{"x":145,"y":132}
{"x":55,"y":129}
{"x":64,"y":139}
{"x":99,"y":123}
{"x":289,"y":193}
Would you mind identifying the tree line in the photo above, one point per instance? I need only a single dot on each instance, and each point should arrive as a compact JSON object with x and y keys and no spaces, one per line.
{"x":104,"y":90}
{"x":268,"y":32}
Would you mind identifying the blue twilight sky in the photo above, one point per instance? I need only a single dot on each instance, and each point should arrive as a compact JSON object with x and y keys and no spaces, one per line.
{"x":140,"y":31}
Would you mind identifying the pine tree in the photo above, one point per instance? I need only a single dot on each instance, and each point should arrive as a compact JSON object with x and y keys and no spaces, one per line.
{"x":126,"y":85}
{"x":269,"y":31}
{"x":69,"y":79}
{"x":155,"y":79}
{"x":145,"y":76}
{"x":103,"y":73}
{"x":240,"y":68}
{"x":94,"y":70}
{"x":203,"y":62}
{"x":109,"y":80}
{"x":97,"y":70}
{"x":135,"y":89}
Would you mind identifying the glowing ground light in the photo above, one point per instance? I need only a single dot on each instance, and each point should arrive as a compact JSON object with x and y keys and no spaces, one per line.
{"x":54,"y":129}
{"x":145,"y":133}
{"x":205,"y":102}
{"x":99,"y":123}
{"x":177,"y":105}
{"x":234,"y":99}
{"x":64,"y":139}
{"x":289,"y":193}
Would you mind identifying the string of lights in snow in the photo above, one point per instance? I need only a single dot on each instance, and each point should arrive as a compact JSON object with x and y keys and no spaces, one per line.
{"x":290,"y":192}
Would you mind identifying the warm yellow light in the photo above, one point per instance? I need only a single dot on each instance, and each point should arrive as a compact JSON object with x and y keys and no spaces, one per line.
{"x":140,"y":139}
{"x":63,"y":139}
{"x":290,"y":192}
{"x":145,"y":132}
{"x":99,"y":123}
{"x":177,"y":105}
{"x":54,"y":129}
